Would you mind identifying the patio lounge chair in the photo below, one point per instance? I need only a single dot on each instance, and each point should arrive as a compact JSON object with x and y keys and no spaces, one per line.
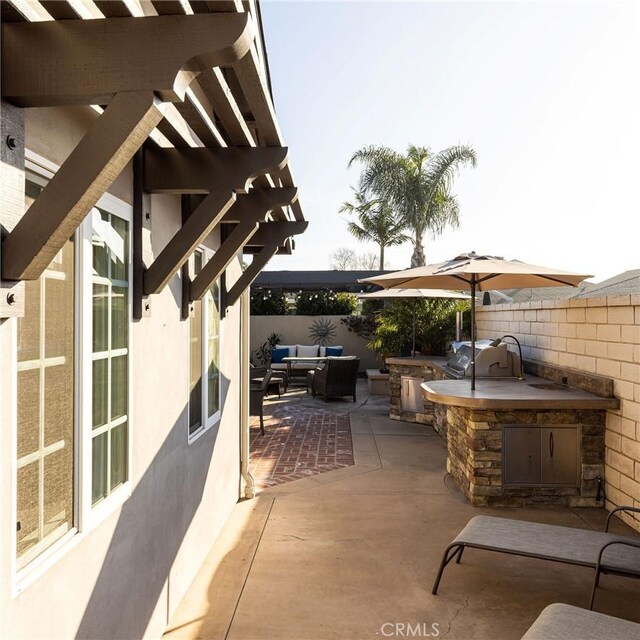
{"x":564,"y":622}
{"x":256,"y":396}
{"x":605,"y":552}
{"x":336,"y":379}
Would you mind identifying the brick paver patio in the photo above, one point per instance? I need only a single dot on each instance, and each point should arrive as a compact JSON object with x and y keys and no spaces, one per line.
{"x":299,"y":441}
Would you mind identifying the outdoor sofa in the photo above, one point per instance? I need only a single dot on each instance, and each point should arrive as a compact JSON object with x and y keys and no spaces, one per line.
{"x":599,"y":550}
{"x":300,"y":351}
{"x":564,"y":622}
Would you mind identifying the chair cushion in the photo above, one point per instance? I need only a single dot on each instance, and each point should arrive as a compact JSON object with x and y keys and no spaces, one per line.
{"x":279,"y":366}
{"x":292,"y":349}
{"x":564,"y":622}
{"x":277,"y":354}
{"x":306,"y":351}
{"x":334,"y":351}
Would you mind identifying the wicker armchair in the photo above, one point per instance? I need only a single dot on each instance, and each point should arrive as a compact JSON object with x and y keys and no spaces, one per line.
{"x":277,"y":378}
{"x":336,"y":379}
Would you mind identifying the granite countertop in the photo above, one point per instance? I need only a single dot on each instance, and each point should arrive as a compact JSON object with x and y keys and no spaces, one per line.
{"x":530,"y":393}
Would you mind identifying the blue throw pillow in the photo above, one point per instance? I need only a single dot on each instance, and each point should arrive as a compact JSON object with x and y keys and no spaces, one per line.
{"x":334,"y":351}
{"x":278,"y":354}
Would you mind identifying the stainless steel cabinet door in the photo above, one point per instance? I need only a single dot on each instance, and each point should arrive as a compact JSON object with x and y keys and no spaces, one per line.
{"x":521,"y":455}
{"x":411,"y":395}
{"x":559,"y":455}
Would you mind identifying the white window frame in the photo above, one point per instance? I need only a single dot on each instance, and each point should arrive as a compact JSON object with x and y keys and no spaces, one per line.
{"x":40,"y":170}
{"x":90,"y":515}
{"x":207,"y":422}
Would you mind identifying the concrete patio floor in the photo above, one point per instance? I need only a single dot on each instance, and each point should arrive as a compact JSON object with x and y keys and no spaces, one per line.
{"x":348,"y":554}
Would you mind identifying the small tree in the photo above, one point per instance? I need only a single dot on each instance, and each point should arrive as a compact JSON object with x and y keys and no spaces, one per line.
{"x":343,"y":259}
{"x":263,"y":352}
{"x":435,"y":325}
{"x":368,"y":261}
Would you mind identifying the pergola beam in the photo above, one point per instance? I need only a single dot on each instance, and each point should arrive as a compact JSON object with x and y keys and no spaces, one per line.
{"x":218,"y":93}
{"x":202,"y":170}
{"x":193,"y":231}
{"x":42,"y":66}
{"x":277,"y":234}
{"x":249,"y":210}
{"x":80,"y":182}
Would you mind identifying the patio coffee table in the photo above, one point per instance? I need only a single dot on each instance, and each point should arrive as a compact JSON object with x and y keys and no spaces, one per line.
{"x":291,"y":359}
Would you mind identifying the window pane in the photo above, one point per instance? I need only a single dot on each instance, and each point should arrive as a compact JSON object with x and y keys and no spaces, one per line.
{"x":119,"y":254}
{"x":111,"y":337}
{"x":58,"y":302}
{"x":58,"y":409}
{"x":195,"y":383}
{"x":118,"y":455}
{"x":29,"y":325}
{"x":28,"y":412}
{"x":99,"y":241}
{"x":100,"y":391}
{"x":99,"y":467}
{"x":58,"y":496}
{"x":100,"y":308}
{"x":119,"y":317}
{"x":213,"y":352}
{"x":28,"y":533}
{"x":118,"y":387}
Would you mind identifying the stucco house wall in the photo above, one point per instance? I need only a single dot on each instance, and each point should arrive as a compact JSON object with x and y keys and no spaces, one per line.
{"x":125,"y":576}
{"x":596,"y":335}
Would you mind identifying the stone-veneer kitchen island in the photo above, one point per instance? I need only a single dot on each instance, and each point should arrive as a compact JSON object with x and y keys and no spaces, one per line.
{"x":538,"y":441}
{"x":523,"y":442}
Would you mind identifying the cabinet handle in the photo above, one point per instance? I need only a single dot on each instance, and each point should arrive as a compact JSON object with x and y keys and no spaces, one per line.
{"x":551,"y":444}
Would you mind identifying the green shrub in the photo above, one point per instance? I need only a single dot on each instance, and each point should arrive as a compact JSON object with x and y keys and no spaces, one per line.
{"x":268,"y":303}
{"x":325,"y":303}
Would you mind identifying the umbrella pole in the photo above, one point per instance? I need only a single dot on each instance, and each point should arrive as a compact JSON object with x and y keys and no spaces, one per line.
{"x":473,"y":333}
{"x":413,"y":350}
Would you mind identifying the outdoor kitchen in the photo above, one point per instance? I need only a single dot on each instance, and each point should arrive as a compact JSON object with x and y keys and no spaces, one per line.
{"x":519,"y":433}
{"x":518,"y":439}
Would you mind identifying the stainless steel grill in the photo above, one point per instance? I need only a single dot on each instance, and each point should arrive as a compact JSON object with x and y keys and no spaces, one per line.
{"x":493,"y":360}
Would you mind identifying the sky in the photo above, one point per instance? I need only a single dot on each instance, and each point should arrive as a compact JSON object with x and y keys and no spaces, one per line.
{"x":547,"y":93}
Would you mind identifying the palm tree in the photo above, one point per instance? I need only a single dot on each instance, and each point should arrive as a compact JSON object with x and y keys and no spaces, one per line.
{"x":377,"y":223}
{"x":417,"y":185}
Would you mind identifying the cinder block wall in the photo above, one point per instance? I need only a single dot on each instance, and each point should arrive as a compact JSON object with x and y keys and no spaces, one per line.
{"x":596,"y":335}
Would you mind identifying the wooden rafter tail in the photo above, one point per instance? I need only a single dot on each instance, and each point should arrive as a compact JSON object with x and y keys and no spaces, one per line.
{"x":80,"y":182}
{"x":274,"y":234}
{"x":251,"y":209}
{"x":201,"y":170}
{"x":163,"y":54}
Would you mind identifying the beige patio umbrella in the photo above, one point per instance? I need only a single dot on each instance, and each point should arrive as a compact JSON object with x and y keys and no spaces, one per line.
{"x":472,"y":272}
{"x":394,"y":294}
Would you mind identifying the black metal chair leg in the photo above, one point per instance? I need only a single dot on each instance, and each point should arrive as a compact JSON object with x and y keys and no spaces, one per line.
{"x":262,"y":424}
{"x":459,"y":555}
{"x":596,"y":582}
{"x":450,"y":553}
